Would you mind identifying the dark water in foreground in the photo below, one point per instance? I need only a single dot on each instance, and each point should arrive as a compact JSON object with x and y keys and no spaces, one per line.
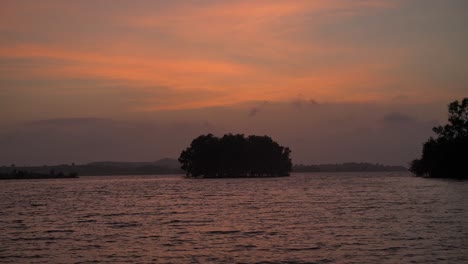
{"x":306,"y":218}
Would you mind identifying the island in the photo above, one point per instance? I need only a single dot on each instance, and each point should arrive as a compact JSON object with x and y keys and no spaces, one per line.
{"x":446,"y":156}
{"x":235,"y":156}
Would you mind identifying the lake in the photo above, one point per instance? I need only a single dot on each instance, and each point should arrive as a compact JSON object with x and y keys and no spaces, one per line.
{"x":305,"y":218}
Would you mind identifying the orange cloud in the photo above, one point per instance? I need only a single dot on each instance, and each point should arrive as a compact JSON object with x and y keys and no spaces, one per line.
{"x":238,"y":82}
{"x":242,"y":50}
{"x":155,"y":70}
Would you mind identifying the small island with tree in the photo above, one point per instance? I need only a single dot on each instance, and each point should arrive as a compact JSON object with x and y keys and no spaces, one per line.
{"x":235,"y":156}
{"x":446,"y":156}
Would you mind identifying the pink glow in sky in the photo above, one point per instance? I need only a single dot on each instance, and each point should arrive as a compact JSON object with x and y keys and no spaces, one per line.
{"x":163,"y":61}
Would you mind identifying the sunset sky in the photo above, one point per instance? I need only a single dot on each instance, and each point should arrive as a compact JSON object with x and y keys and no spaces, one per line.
{"x":335,"y":80}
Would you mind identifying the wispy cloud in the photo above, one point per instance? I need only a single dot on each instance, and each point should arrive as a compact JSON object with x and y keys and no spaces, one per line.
{"x":398,"y":118}
{"x":213,"y":53}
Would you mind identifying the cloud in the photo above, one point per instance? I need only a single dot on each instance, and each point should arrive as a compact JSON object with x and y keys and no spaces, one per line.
{"x":244,"y":50}
{"x":86,"y":139}
{"x":300,"y":103}
{"x":325,"y":133}
{"x":254,"y":111}
{"x":192,"y":62}
{"x":398,"y":118}
{"x":259,"y":107}
{"x":69,"y":121}
{"x":52,"y":97}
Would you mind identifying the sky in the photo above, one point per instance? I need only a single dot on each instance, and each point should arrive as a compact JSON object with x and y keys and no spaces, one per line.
{"x":335,"y":80}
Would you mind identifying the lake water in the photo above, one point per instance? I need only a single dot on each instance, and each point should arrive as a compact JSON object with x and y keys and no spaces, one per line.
{"x":305,"y":218}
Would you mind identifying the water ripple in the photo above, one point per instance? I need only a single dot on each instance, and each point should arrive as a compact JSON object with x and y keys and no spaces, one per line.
{"x":306,"y":218}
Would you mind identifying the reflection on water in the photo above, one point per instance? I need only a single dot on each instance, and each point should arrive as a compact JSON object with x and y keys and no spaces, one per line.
{"x":318,"y":218}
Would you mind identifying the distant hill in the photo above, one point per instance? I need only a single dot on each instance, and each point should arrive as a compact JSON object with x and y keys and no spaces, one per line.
{"x":347,"y":167}
{"x":163,"y":163}
{"x":168,"y":163}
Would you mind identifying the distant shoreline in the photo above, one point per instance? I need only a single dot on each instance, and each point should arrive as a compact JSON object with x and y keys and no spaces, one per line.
{"x":165,"y":167}
{"x":36,"y":176}
{"x":347,"y":167}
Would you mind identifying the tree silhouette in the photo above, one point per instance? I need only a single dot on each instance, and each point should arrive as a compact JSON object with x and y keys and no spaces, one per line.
{"x":447,"y":155}
{"x":235,"y":156}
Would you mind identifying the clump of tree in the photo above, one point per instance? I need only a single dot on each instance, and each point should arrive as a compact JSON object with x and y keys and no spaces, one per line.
{"x":446,"y":156}
{"x":235,"y":156}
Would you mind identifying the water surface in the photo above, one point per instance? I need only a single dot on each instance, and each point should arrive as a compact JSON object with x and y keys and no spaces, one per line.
{"x":305,"y":218}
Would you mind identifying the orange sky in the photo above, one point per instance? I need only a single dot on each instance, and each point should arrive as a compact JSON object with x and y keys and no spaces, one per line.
{"x":237,"y":51}
{"x":170,"y":60}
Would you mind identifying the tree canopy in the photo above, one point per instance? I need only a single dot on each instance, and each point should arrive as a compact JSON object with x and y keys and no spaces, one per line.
{"x":235,"y":156}
{"x":446,"y":156}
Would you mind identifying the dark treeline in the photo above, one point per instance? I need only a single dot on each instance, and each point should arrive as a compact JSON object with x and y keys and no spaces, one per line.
{"x":18,"y":174}
{"x":235,"y":156}
{"x":347,"y":167}
{"x":446,"y":156}
{"x":164,"y":166}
